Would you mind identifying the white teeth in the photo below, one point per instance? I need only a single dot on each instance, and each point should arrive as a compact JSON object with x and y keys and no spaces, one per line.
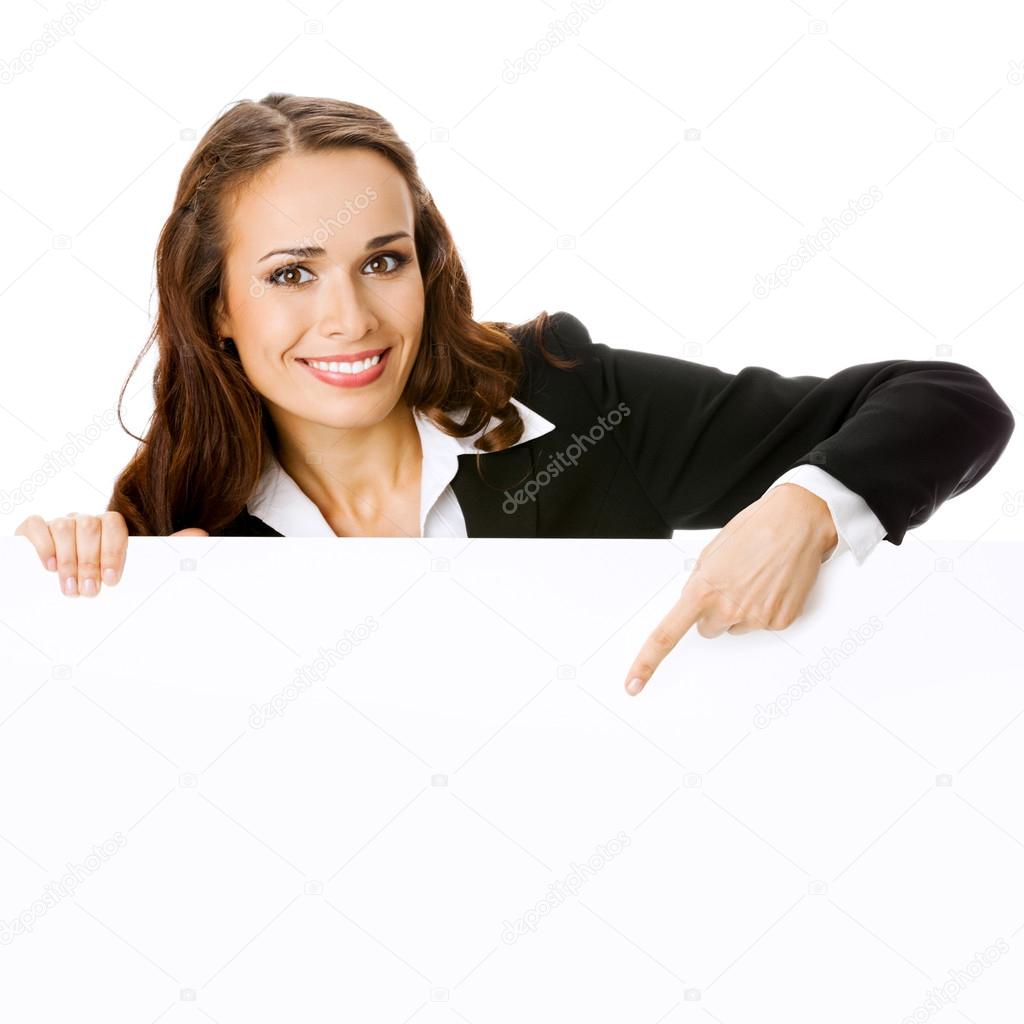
{"x":356,"y":367}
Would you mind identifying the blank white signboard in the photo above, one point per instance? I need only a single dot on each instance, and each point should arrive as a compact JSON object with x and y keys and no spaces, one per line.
{"x":392,"y":780}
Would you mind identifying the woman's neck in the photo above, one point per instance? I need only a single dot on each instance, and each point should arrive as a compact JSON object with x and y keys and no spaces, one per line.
{"x":354,"y":474}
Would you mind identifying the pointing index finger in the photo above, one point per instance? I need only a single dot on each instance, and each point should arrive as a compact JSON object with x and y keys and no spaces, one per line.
{"x":672,"y":628}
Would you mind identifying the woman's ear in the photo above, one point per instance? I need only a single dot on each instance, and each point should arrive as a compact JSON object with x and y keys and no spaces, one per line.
{"x":221,"y":321}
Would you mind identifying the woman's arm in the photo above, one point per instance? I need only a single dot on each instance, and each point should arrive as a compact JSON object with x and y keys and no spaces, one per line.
{"x":904,"y":434}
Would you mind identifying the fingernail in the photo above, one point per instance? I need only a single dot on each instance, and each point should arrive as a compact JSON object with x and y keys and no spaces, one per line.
{"x":109,"y":576}
{"x":71,"y":585}
{"x":51,"y":563}
{"x":89,"y":587}
{"x":634,"y":685}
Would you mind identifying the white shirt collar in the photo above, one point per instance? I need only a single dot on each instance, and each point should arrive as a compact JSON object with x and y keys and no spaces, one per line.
{"x":283,"y":505}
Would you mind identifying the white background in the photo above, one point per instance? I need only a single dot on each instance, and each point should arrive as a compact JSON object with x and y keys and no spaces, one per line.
{"x":573,"y":187}
{"x":799,"y":110}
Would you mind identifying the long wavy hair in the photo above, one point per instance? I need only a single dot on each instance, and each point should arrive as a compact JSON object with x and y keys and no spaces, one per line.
{"x":210,"y":435}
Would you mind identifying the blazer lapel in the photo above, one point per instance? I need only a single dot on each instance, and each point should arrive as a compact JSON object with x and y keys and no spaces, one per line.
{"x":490,"y":505}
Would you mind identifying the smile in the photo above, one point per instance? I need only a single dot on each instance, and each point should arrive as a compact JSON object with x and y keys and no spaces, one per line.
{"x":348,"y":375}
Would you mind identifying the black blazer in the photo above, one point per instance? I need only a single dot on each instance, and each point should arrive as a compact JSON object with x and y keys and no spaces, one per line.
{"x":646,"y":444}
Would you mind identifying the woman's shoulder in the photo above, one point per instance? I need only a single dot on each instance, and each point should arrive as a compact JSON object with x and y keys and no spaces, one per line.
{"x":560,"y":332}
{"x":561,"y":368}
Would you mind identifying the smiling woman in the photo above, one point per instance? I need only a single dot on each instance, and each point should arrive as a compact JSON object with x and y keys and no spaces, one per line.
{"x":321,"y":374}
{"x":313,"y":313}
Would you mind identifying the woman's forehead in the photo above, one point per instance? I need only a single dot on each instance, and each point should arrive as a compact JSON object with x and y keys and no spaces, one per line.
{"x":338,"y":203}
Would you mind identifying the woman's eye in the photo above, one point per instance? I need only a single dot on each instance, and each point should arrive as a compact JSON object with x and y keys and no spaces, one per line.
{"x":399,"y":261}
{"x":288,"y":283}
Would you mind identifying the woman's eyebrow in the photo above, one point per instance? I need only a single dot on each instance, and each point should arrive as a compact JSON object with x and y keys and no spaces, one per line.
{"x":311,"y":251}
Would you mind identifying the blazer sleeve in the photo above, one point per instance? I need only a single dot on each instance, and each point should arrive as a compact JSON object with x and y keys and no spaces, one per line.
{"x":904,"y":434}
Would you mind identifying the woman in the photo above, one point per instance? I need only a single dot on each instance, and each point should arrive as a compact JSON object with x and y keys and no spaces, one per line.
{"x":320,"y":373}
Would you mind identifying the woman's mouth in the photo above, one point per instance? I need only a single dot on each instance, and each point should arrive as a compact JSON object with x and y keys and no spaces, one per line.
{"x":348,"y":374}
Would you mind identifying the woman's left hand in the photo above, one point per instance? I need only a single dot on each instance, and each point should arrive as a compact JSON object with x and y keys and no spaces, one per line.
{"x":755,"y":574}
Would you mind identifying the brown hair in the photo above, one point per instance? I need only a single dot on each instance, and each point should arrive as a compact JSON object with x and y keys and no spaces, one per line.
{"x":210,"y":434}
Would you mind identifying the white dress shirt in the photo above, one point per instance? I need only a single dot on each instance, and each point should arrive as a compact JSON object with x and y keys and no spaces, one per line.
{"x":282,"y":505}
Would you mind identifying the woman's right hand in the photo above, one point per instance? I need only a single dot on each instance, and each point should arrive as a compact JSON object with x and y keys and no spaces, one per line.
{"x":85,"y":551}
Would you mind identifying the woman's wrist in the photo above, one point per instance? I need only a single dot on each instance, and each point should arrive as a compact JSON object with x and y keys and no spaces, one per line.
{"x":819,"y":515}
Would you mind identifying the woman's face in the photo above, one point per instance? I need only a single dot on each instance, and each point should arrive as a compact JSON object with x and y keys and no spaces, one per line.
{"x":358,"y":291}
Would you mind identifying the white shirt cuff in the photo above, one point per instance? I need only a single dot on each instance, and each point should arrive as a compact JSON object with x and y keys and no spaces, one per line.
{"x":858,"y":528}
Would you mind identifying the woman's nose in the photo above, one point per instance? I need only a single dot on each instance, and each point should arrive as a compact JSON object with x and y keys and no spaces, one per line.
{"x":346,"y":310}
